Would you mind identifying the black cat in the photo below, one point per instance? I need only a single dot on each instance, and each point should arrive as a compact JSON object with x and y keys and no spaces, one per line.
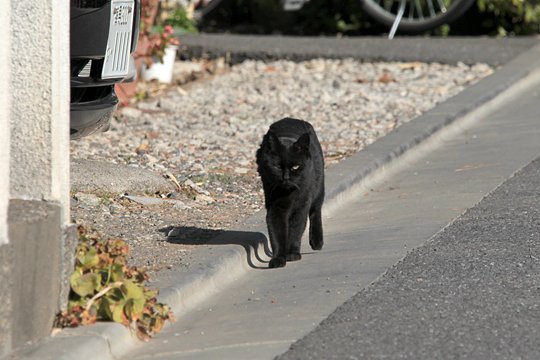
{"x":291,"y":165}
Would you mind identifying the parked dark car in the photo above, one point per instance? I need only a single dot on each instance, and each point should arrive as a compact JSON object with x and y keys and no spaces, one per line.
{"x":102,"y":40}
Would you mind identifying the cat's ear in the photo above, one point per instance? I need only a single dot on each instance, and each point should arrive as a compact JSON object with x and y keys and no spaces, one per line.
{"x":302,"y":144}
{"x":273,"y":142}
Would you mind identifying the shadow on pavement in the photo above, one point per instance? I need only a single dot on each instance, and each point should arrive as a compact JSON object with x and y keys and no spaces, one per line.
{"x":254,"y":243}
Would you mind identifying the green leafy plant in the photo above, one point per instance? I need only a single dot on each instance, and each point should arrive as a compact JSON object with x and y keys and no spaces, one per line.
{"x":104,"y":287}
{"x":519,"y":17}
{"x":180,"y":20}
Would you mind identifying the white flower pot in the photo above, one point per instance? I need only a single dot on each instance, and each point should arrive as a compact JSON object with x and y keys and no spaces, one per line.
{"x":162,"y":72}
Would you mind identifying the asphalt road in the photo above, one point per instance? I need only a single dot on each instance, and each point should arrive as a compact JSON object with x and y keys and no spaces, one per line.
{"x":473,"y":291}
{"x":469,"y":50}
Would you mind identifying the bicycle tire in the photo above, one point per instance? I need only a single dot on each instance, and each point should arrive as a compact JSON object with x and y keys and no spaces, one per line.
{"x":407,"y":25}
{"x":206,"y":9}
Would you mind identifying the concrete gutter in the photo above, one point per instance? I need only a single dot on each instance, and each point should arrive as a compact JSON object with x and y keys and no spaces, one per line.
{"x":239,"y":250}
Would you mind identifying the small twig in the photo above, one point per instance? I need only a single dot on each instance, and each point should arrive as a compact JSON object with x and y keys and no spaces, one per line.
{"x":173,"y":179}
{"x":101,"y":293}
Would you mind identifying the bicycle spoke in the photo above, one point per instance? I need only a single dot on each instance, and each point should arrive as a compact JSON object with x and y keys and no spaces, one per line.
{"x":399,"y":15}
{"x":419,"y":9}
{"x":388,"y":5}
{"x":441,"y":6}
{"x":431,"y":8}
{"x":411,"y":12}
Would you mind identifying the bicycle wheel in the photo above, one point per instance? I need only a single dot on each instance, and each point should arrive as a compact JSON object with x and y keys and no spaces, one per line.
{"x":417,"y":15}
{"x":204,"y":7}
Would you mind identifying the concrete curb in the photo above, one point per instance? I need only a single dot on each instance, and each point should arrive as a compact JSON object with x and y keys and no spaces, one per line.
{"x":228,"y":263}
{"x":94,"y":176}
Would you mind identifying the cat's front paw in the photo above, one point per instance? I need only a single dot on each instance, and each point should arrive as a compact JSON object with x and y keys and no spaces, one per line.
{"x":293,"y":256}
{"x":277,"y":263}
{"x":316,"y":244}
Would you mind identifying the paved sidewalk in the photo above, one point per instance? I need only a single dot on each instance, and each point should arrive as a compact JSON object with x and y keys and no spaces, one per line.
{"x":233,"y":259}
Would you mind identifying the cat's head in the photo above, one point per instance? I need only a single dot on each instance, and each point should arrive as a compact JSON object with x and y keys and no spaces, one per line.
{"x":288,"y":161}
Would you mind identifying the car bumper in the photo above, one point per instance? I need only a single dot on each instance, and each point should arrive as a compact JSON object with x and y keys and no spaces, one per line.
{"x":92,"y":80}
{"x":88,"y":117}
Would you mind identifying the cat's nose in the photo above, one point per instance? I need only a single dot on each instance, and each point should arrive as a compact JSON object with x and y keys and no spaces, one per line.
{"x":286,"y":175}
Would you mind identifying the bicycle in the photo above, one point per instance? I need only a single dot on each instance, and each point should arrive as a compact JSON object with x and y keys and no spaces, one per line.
{"x":408,"y":16}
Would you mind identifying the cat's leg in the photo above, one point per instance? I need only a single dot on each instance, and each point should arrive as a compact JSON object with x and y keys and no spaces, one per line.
{"x":315,"y":227}
{"x":297,"y":222}
{"x":278,"y":232}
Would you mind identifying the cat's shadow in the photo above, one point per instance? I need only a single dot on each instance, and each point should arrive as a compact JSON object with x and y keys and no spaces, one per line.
{"x":254,"y":243}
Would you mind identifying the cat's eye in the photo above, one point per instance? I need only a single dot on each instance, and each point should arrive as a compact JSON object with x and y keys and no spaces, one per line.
{"x":295,"y":167}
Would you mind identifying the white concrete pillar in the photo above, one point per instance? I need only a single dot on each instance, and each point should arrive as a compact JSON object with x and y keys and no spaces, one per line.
{"x":60,"y":106}
{"x":36,"y":241}
{"x":40,"y":101}
{"x":5,"y":50}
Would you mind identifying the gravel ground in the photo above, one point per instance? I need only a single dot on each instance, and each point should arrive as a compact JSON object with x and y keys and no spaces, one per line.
{"x":203,"y":137}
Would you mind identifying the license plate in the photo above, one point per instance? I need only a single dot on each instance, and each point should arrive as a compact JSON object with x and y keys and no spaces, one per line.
{"x":293,"y":5}
{"x":116,"y":62}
